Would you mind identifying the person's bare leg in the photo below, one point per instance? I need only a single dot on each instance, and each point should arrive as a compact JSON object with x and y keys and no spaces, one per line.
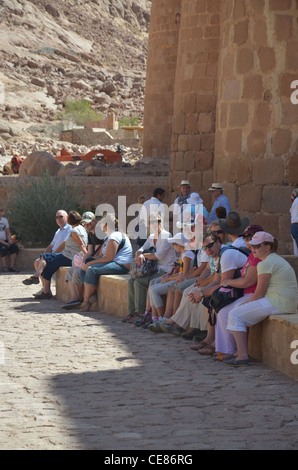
{"x":88,"y":291}
{"x":241,"y":342}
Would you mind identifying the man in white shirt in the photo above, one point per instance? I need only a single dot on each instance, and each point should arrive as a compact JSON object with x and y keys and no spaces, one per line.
{"x":56,"y":246}
{"x":152,"y":206}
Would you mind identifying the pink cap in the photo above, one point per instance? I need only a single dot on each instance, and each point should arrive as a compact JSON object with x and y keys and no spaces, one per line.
{"x":260,"y":237}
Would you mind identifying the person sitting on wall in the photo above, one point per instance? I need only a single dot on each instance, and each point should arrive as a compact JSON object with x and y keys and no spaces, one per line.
{"x":72,"y":276}
{"x":7,"y":246}
{"x":275,"y":294}
{"x":56,"y":246}
{"x":114,"y":257}
{"x":75,"y":243}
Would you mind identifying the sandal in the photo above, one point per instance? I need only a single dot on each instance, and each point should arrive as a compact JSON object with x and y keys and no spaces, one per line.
{"x":85,"y":307}
{"x":128,"y":317}
{"x":208,"y":351}
{"x":200,"y":345}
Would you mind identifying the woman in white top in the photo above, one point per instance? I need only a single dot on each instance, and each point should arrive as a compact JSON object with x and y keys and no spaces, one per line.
{"x":294,"y":220}
{"x":164,"y":254}
{"x":114,"y":257}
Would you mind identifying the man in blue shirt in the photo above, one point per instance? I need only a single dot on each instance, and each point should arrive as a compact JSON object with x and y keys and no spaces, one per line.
{"x":219,"y":201}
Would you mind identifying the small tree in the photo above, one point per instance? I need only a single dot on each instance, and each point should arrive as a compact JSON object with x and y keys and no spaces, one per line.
{"x":32,"y":209}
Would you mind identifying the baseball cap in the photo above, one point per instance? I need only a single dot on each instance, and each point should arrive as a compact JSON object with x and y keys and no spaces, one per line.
{"x":261,"y":237}
{"x":87,"y":217}
{"x":179,"y":238}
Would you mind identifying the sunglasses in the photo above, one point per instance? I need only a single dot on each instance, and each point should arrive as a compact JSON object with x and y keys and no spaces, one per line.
{"x":247,"y":237}
{"x":59,"y":216}
{"x":154,"y":221}
{"x":207,"y":247}
{"x":218,"y":231}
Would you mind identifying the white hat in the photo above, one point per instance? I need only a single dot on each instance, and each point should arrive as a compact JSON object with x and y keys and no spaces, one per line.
{"x":194,"y":198}
{"x":216,"y":187}
{"x":184,"y":183}
{"x":179,"y":239}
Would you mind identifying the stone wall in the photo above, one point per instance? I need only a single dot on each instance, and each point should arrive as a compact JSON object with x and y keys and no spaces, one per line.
{"x":228,"y":116}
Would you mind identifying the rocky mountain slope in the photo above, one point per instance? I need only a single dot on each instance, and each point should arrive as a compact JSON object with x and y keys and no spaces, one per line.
{"x":54,"y":51}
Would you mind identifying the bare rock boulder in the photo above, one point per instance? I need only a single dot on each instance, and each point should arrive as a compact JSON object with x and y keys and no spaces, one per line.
{"x":38,"y":162}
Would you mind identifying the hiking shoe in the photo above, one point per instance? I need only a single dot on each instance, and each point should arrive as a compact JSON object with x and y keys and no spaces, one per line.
{"x":172,"y":329}
{"x":190,"y":333}
{"x":31,"y":280}
{"x":155,"y":327}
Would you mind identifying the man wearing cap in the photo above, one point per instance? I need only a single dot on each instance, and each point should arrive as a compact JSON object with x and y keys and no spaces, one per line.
{"x":219,"y":201}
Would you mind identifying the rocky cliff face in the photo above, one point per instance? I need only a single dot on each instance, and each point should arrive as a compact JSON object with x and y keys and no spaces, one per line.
{"x":53,"y":51}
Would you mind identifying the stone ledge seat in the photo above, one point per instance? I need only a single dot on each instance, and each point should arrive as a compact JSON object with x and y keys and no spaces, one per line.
{"x":269,"y":341}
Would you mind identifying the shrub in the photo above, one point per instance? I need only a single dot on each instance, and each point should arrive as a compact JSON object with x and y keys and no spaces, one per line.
{"x":129,"y":121}
{"x":31,"y":210}
{"x":79,"y":111}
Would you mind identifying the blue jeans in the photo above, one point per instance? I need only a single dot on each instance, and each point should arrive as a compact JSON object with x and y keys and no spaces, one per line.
{"x":294,"y":233}
{"x":91,"y":275}
{"x":54,"y":262}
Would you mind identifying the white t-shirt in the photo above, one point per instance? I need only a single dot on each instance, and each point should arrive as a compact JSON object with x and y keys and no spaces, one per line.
{"x":188,"y":254}
{"x":3,"y":226}
{"x":239,"y":242}
{"x":231,"y":259}
{"x":124,"y":255}
{"x":164,"y":250}
{"x":294,"y":211}
{"x":151,"y":206}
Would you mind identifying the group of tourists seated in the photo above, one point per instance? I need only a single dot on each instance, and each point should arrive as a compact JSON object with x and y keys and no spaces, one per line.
{"x":209,"y":285}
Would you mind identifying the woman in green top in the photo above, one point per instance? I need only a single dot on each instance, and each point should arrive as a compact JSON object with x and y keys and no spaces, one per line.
{"x":275,"y":294}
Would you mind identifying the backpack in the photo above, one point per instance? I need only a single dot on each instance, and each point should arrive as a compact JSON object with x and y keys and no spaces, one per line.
{"x":224,"y":295}
{"x":148,"y":268}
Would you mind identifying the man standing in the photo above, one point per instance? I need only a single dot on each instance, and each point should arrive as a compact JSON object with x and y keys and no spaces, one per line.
{"x":56,"y":246}
{"x":180,"y":201}
{"x":152,"y":206}
{"x":219,"y":201}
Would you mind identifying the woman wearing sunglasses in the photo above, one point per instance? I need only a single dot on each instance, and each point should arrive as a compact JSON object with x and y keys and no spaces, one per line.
{"x":275,"y":294}
{"x":224,"y":341}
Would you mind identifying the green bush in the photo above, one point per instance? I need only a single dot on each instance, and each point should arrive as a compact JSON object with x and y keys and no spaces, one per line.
{"x":79,"y":111}
{"x":129,"y":121}
{"x":31,"y":210}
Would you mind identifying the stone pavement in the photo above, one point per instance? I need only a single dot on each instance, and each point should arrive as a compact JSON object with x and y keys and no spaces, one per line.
{"x":87,"y":381}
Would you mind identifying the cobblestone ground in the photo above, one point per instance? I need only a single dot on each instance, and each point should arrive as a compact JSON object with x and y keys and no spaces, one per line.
{"x":88,"y":381}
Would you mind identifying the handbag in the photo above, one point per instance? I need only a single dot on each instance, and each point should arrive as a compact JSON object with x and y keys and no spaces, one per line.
{"x":148,"y":268}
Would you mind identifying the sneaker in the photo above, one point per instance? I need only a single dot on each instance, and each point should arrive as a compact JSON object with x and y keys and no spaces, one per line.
{"x":72,"y":304}
{"x":155,"y":327}
{"x":190,"y":333}
{"x":200,"y":337}
{"x":172,"y":329}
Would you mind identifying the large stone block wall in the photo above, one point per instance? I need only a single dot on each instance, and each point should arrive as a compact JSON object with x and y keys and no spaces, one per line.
{"x":232,"y":119}
{"x":162,"y":58}
{"x":257,"y":125}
